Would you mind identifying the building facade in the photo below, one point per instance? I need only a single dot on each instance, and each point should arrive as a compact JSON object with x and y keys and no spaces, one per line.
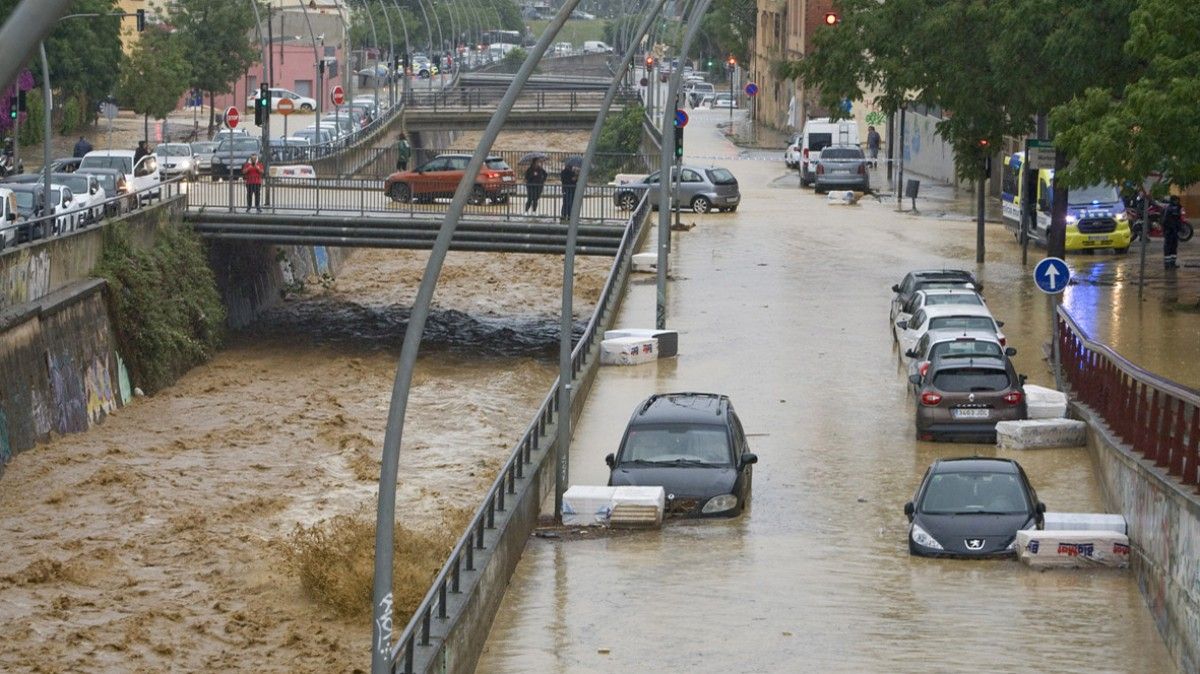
{"x":784,"y":32}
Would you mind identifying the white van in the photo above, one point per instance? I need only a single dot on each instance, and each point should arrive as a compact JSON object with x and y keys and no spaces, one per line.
{"x":596,"y":47}
{"x":817,"y":135}
{"x":143,"y":176}
{"x":8,"y":217}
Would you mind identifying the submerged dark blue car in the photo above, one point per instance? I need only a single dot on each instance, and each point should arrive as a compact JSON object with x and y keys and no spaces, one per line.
{"x":971,"y":507}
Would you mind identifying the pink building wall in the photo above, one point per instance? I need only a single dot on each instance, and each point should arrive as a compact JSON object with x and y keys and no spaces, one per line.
{"x":294,"y":69}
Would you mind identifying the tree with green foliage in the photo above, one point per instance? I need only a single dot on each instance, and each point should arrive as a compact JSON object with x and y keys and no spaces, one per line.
{"x":219,"y":39}
{"x":728,"y":28}
{"x":1125,"y":133}
{"x":155,"y":74}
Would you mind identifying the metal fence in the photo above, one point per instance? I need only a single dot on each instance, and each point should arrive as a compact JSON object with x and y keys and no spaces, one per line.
{"x":1159,"y":418}
{"x":470,"y":99}
{"x":449,"y":581}
{"x":505,"y":201}
{"x":31,"y":230}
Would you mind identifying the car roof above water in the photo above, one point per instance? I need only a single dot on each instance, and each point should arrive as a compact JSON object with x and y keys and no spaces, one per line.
{"x":683,"y":407}
{"x":974,"y":464}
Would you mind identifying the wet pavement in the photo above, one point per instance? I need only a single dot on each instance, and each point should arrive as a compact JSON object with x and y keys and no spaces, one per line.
{"x":784,"y":306}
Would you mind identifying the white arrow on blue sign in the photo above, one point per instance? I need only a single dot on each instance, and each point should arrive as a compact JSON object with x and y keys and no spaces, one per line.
{"x":1052,"y":275}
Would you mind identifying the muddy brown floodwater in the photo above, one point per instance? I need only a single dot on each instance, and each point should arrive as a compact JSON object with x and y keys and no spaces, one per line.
{"x":156,"y":541}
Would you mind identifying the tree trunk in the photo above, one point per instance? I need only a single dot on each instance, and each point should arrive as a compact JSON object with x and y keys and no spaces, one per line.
{"x":212,"y":111}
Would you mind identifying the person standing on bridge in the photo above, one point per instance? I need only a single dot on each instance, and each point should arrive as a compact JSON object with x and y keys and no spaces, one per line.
{"x":403,"y":152}
{"x":535,"y":180}
{"x":569,"y":177}
{"x":252,"y":173}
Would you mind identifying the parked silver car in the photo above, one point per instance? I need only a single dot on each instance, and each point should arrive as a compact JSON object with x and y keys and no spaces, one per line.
{"x":701,"y":189}
{"x":842,"y":166}
{"x":203,"y":151}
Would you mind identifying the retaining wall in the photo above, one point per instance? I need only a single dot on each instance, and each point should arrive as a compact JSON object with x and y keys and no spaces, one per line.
{"x":1164,"y":533}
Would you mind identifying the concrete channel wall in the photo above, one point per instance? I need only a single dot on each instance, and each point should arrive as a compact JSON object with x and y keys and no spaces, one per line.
{"x":1164,"y":530}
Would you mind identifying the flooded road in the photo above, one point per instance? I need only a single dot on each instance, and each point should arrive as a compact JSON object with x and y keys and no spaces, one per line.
{"x":784,"y":306}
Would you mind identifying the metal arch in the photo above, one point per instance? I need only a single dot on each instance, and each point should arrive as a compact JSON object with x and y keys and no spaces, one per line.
{"x":565,"y":374}
{"x":404,"y":84}
{"x":318,"y":59}
{"x":391,"y":61}
{"x":668,"y":151}
{"x":429,"y":38}
{"x":374,"y":37}
{"x":381,"y":604}
{"x":348,"y":50}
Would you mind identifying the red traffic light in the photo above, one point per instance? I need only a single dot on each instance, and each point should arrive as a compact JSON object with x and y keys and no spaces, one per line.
{"x":983,"y":142}
{"x":831,"y":18}
{"x":649,"y":61}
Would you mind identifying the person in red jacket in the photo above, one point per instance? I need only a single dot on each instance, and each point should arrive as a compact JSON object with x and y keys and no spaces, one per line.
{"x":252,"y":173}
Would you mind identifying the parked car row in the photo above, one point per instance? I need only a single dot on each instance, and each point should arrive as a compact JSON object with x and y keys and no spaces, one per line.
{"x":827,"y":155}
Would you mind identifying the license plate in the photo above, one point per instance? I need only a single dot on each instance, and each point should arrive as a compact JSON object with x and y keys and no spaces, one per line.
{"x":1098,"y":238}
{"x":970,"y":413}
{"x":507,"y":179}
{"x":842,"y":171}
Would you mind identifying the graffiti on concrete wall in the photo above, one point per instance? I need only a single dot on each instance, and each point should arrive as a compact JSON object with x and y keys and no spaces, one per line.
{"x":67,"y":391}
{"x":98,"y":382}
{"x":123,"y":381}
{"x":322,"y":257}
{"x":26,"y":280}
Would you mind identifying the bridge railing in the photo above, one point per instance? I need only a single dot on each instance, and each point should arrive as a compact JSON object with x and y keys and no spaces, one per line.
{"x":470,"y":99}
{"x":1158,"y":418}
{"x":452,"y":579}
{"x":22,"y":231}
{"x":418,"y":199}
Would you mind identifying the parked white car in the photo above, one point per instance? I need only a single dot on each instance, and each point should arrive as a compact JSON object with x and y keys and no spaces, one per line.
{"x":8,"y":218}
{"x":68,"y":211}
{"x":946,"y":317}
{"x":142,"y":178}
{"x":178,"y":159}
{"x":300,"y":103}
{"x":87,"y":195}
{"x":791,"y":156}
{"x":936,"y":297}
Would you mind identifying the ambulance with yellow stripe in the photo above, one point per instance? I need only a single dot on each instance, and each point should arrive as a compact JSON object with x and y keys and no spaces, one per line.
{"x":1096,"y":216}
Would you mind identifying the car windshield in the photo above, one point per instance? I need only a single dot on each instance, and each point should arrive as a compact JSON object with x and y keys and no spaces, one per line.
{"x":1105,"y":194}
{"x":24,"y":199}
{"x":173,"y":150}
{"x":78,"y":184}
{"x":720,"y":176}
{"x":705,"y":445}
{"x":122,"y":164}
{"x":819,"y":141}
{"x":970,"y":380}
{"x":965,"y":348}
{"x":497,"y":164}
{"x":108,"y":181}
{"x":955,"y":298}
{"x":841,"y":153}
{"x":974,"y":493}
{"x":238,"y":145}
{"x":962,"y":323}
{"x":203,"y":148}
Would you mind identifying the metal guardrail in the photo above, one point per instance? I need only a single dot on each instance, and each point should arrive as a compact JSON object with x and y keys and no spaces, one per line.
{"x":1159,"y":418}
{"x":366,"y":198}
{"x":32,"y":230}
{"x":450,"y":580}
{"x":470,"y":99}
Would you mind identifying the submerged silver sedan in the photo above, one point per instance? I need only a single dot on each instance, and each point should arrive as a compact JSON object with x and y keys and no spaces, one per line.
{"x":700,"y":189}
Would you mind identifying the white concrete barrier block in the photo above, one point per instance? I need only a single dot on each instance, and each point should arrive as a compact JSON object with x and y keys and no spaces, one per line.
{"x":638,"y":507}
{"x":842,"y":197}
{"x":1040,"y":433}
{"x":668,"y":340}
{"x":645,"y":262}
{"x":1045,"y":403}
{"x":1085,"y":522}
{"x":628,"y":350}
{"x":587,"y":506}
{"x":1072,"y":549}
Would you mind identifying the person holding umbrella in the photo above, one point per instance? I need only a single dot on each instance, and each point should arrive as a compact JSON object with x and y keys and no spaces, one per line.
{"x":535,"y":180}
{"x":569,"y":177}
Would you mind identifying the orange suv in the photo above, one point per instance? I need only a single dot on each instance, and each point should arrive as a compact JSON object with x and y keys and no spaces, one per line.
{"x":439,"y":177}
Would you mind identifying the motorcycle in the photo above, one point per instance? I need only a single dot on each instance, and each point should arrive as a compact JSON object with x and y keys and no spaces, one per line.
{"x":1154,"y":212}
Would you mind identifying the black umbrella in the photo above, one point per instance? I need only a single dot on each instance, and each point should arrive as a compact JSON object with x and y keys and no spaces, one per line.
{"x":575,"y":161}
{"x":530,"y":156}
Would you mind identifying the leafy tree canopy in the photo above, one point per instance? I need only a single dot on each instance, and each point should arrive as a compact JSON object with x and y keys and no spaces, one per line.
{"x":155,"y":74}
{"x":220,"y":39}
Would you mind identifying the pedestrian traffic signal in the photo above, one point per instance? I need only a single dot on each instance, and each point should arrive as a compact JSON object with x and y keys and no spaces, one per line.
{"x":141,"y":20}
{"x":649,"y":63}
{"x":832,"y":18}
{"x":12,"y":108}
{"x":262,"y":104}
{"x":679,"y":142}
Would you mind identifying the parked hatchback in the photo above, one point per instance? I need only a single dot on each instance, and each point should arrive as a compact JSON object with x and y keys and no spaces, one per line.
{"x":963,"y":396}
{"x":694,"y":447}
{"x":700,"y":189}
{"x":842,"y":166}
{"x":971,"y":507}
{"x":439,"y":178}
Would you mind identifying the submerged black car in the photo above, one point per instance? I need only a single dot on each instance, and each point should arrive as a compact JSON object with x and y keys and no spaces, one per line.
{"x":971,"y":507}
{"x":691,"y":444}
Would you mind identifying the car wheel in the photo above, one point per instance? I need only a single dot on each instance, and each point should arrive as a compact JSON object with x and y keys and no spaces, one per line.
{"x":305,"y":107}
{"x":626,"y":201}
{"x":478,"y":196}
{"x":401,"y":192}
{"x":701,"y":204}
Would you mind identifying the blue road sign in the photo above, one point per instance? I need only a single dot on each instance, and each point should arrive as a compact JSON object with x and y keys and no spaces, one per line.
{"x":751,"y":90}
{"x":1052,"y":275}
{"x":681,"y":118}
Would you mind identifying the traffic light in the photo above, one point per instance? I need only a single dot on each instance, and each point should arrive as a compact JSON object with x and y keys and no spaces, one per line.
{"x":21,"y":101}
{"x":731,"y":63}
{"x":983,"y":143}
{"x":141,"y":20}
{"x":679,"y":142}
{"x":710,"y":63}
{"x":832,"y":18}
{"x":262,"y":104}
{"x":12,"y":108}
{"x":406,"y":62}
{"x":649,"y":63}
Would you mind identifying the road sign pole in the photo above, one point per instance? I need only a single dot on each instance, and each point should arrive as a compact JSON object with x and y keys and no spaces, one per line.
{"x":1052,"y":275}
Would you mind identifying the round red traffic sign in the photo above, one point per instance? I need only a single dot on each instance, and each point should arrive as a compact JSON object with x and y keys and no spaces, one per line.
{"x":232,"y":117}
{"x":286,"y":106}
{"x":337,"y":95}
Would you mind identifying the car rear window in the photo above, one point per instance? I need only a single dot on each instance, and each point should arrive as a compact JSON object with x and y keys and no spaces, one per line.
{"x":970,"y":380}
{"x":497,"y":164}
{"x":122,"y":164}
{"x":962,"y":323}
{"x":720,"y":176}
{"x":965,"y":348}
{"x":678,"y":443}
{"x":957,"y":298}
{"x":841,"y":153}
{"x":239,"y":145}
{"x":819,"y":141}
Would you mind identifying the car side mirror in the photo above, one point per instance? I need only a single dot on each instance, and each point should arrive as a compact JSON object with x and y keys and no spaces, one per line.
{"x":909,"y":510}
{"x":1040,"y":514}
{"x":978,"y":287}
{"x":1000,"y":324}
{"x":748,"y":459}
{"x":11,"y":217}
{"x":1022,"y":379}
{"x":611,"y":460}
{"x":903,"y":325}
{"x":915,"y":379}
{"x":911,"y":353}
{"x":1010,"y":351}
